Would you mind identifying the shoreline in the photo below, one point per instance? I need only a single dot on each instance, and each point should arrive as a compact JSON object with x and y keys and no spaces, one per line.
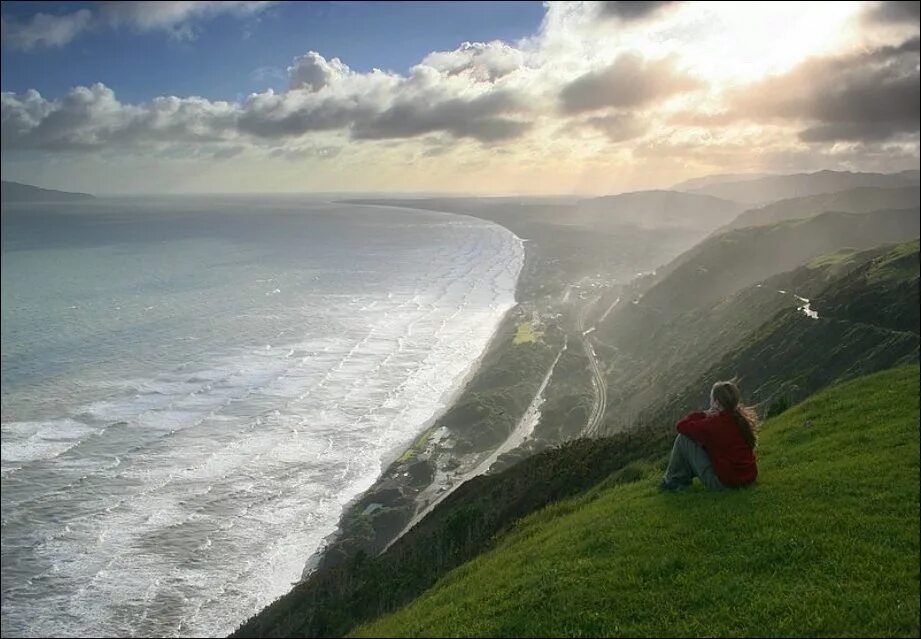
{"x":449,"y":398}
{"x":569,"y":272}
{"x":515,"y":439}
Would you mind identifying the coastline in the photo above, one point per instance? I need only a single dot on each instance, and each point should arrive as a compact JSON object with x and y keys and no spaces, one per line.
{"x":569,"y":271}
{"x":447,"y":401}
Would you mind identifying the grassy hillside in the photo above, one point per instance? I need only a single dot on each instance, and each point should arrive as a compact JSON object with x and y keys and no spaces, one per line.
{"x":338,"y":597}
{"x":868,"y":321}
{"x":723,"y":264}
{"x":860,"y":200}
{"x":826,"y":543}
{"x":660,"y":365}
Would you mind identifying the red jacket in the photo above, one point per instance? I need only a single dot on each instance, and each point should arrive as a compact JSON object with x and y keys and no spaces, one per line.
{"x":732,"y":458}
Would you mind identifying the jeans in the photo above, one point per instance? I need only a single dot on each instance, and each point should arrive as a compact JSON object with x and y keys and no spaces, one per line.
{"x":689,"y":459}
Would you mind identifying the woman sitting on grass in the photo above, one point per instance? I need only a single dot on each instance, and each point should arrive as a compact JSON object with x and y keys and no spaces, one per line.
{"x":717,"y":446}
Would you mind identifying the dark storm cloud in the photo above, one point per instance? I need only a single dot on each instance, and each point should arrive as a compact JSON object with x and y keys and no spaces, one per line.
{"x":895,"y":12}
{"x":871,"y":95}
{"x":629,"y":82}
{"x":631,"y":10}
{"x":483,"y":118}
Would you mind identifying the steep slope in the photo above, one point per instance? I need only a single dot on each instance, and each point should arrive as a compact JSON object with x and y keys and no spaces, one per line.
{"x":656,"y":360}
{"x":336,"y":599}
{"x":826,"y":543}
{"x":779,"y":187}
{"x":726,"y":263}
{"x":16,"y":192}
{"x":860,"y":200}
{"x":868,"y":319}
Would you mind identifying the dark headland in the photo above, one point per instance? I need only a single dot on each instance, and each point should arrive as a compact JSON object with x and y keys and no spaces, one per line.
{"x":16,"y":192}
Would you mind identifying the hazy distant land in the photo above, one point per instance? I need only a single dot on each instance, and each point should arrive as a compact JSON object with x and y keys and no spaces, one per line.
{"x":16,"y":192}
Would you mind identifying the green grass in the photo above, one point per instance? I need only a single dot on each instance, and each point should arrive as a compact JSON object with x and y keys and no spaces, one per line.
{"x":526,"y":334}
{"x":901,"y":261}
{"x":418,"y":445}
{"x":826,"y":543}
{"x":833,"y":258}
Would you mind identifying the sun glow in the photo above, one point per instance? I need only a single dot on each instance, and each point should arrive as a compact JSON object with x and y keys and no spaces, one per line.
{"x":736,"y":43}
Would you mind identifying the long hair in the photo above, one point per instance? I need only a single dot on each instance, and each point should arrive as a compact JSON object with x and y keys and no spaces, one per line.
{"x":729,"y":397}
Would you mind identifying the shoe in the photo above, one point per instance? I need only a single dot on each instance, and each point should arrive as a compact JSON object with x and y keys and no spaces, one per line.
{"x":672,"y":487}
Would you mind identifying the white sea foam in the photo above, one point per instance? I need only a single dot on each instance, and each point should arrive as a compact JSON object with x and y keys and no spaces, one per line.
{"x":182,"y":502}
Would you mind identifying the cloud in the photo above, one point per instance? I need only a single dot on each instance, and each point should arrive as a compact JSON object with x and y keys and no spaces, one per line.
{"x":175,"y":18}
{"x":326,"y":96}
{"x":91,"y":118}
{"x":631,"y":81}
{"x":481,"y":118}
{"x":619,"y":127}
{"x":895,"y":12}
{"x":483,"y":61}
{"x":313,"y":71}
{"x":649,"y":91}
{"x":300,"y":153}
{"x":868,"y":95}
{"x":227,"y":152}
{"x":44,"y":30}
{"x":156,"y":15}
{"x":629,"y":11}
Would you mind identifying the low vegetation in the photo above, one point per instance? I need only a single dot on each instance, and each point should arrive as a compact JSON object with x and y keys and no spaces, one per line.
{"x":826,"y":543}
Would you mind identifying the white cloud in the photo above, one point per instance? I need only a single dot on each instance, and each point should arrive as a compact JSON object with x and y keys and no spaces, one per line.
{"x":313,"y":71}
{"x":44,"y":30}
{"x":175,"y":18}
{"x":326,"y":96}
{"x":483,"y":61}
{"x":585,"y":97}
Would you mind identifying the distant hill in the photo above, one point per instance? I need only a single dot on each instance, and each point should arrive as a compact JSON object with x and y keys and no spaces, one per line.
{"x":723,"y":264}
{"x":722,"y":178}
{"x":778,"y":187}
{"x":16,"y":192}
{"x":860,"y":200}
{"x":657,"y":209}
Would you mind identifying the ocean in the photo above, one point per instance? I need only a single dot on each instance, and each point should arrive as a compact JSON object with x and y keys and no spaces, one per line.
{"x":193,"y":388}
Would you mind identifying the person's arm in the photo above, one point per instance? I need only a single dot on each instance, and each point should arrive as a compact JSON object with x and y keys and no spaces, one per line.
{"x":694,"y":425}
{"x":689,"y":418}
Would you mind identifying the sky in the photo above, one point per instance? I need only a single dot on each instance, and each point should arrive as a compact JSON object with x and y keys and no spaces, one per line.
{"x":454,"y":97}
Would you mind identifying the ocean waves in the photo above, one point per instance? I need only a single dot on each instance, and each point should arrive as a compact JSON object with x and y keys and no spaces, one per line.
{"x":180,"y":501}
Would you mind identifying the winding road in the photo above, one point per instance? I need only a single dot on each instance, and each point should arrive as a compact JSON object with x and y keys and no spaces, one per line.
{"x":595,"y":417}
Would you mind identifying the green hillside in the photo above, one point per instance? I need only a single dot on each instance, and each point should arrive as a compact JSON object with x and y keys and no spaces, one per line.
{"x":868,"y":321}
{"x":826,"y":543}
{"x":726,"y":263}
{"x":658,"y":366}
